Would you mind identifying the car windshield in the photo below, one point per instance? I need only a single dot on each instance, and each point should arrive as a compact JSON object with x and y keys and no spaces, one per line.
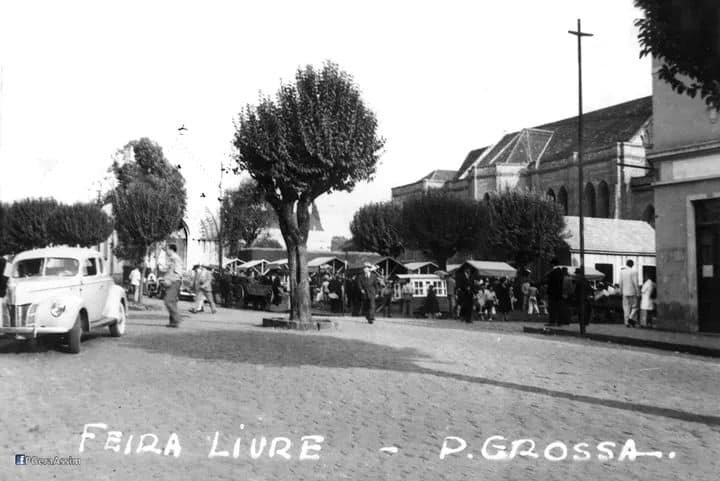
{"x":51,"y":266}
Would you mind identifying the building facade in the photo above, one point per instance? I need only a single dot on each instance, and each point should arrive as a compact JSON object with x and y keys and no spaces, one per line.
{"x":617,"y":180}
{"x":686,"y":156}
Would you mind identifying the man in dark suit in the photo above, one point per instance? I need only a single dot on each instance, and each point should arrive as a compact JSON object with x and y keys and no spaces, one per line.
{"x":369,"y":284}
{"x":554,"y":280}
{"x":465,"y":290}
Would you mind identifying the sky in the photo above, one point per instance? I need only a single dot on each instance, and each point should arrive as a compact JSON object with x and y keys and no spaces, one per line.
{"x":81,"y":79}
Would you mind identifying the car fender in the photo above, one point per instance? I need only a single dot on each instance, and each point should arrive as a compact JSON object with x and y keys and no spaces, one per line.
{"x":116,"y":296}
{"x":73,"y":305}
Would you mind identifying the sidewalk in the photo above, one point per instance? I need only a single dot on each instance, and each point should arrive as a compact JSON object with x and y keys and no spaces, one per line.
{"x":691,"y":343}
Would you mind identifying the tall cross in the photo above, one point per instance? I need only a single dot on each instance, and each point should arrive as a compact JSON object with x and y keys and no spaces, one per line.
{"x":581,"y":312}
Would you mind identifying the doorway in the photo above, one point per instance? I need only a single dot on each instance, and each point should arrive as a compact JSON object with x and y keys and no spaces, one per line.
{"x":707,"y":225}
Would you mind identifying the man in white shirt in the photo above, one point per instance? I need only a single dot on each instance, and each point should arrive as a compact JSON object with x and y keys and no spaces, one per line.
{"x":173,"y":279}
{"x":135,"y":283}
{"x":630,"y":290}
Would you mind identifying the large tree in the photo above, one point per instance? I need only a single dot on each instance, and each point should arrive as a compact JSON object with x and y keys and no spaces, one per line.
{"x":377,"y":227}
{"x":315,"y":136}
{"x":524,"y":227}
{"x":148,"y":202}
{"x":441,"y":225}
{"x":244,"y":215}
{"x":83,"y":224}
{"x":27,"y":224}
{"x":685,"y":36}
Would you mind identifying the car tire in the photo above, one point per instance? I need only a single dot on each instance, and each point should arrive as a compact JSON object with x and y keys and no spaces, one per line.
{"x":74,"y":336}
{"x":117,"y":328}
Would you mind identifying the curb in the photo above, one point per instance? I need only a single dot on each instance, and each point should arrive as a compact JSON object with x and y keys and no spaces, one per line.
{"x":628,"y":341}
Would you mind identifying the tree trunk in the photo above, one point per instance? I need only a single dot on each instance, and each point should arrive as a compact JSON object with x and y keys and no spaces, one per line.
{"x":142,"y":274}
{"x":292,"y":278}
{"x":302,"y":304}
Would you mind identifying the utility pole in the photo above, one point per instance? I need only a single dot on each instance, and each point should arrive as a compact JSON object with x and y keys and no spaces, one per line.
{"x":219,"y":225}
{"x":581,"y":278}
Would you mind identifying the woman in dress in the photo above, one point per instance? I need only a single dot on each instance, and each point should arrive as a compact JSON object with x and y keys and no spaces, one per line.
{"x":432,"y":307}
{"x":504,"y":305}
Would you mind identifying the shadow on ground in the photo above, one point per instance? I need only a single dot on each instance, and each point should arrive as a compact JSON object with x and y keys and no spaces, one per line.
{"x":288,"y":349}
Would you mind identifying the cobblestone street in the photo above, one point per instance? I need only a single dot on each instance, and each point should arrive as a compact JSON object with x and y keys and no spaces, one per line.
{"x":397,"y":383}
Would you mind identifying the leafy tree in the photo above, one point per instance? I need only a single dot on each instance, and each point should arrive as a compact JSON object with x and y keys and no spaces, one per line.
{"x":315,"y":136}
{"x":377,"y":227}
{"x":441,"y":224}
{"x":685,"y":36}
{"x":341,"y":243}
{"x":80,"y":224}
{"x":245,"y":214}
{"x":267,"y":242}
{"x":27,"y":224}
{"x":524,"y":227}
{"x":149,"y":201}
{"x":5,"y":247}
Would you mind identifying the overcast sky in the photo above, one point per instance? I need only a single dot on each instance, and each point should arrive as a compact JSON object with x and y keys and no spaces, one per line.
{"x":80,"y":79}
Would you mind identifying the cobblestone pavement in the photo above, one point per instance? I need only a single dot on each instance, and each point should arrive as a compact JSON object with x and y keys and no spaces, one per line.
{"x":403,"y":384}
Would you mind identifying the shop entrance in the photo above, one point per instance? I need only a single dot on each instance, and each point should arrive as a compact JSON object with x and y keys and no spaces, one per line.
{"x":707,"y":224}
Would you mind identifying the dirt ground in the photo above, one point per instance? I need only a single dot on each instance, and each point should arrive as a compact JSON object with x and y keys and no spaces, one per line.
{"x":346,"y":394}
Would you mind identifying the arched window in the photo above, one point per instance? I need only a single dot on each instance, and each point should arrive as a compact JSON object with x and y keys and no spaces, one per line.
{"x":603,"y":200}
{"x":589,"y":206}
{"x":562,"y":199}
{"x":649,"y":215}
{"x":550,"y":195}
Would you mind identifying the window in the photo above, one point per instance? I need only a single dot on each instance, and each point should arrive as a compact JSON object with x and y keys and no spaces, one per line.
{"x":90,"y":267}
{"x":28,"y":268}
{"x":418,"y":288}
{"x":63,"y":267}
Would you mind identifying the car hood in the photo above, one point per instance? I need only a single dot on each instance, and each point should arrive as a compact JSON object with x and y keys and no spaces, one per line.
{"x":25,"y":291}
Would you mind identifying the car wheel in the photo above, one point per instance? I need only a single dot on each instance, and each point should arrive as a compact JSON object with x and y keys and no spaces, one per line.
{"x":117,"y":328}
{"x":74,"y":336}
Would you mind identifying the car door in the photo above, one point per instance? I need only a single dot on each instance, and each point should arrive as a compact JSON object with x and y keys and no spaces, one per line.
{"x":92,"y":288}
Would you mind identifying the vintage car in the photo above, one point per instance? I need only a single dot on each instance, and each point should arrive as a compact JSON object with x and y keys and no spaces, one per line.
{"x":61,"y":292}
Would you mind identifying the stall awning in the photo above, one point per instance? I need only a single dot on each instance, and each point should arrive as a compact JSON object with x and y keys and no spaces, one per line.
{"x":492,"y":268}
{"x":591,"y":273}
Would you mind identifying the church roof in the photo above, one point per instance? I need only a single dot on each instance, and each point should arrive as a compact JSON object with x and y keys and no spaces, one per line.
{"x":557,"y":140}
{"x":616,"y":236}
{"x":441,"y":175}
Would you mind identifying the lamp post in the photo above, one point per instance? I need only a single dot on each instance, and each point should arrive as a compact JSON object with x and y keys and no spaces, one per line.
{"x":581,"y":279}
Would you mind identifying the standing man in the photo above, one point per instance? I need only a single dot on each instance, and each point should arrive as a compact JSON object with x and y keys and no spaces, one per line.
{"x":368,"y":284}
{"x":135,"y":283}
{"x":450,"y":287}
{"x":464,"y":286}
{"x":525,"y":290}
{"x":172,"y":279}
{"x":554,"y":280}
{"x":630,"y":290}
{"x":203,"y":288}
{"x":407,"y":292}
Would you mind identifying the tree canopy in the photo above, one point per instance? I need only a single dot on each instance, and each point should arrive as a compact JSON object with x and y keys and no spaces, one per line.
{"x":149,"y":200}
{"x":525,"y":227}
{"x":83,"y":224}
{"x":441,"y":224}
{"x":686,"y":37}
{"x":315,"y":136}
{"x":377,"y":228}
{"x":27,"y":224}
{"x":245,"y":214}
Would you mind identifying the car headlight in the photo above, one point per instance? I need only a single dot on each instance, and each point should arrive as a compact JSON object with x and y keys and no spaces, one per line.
{"x":57,"y":309}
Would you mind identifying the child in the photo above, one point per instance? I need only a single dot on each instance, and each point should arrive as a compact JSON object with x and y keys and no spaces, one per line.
{"x":490,"y":300}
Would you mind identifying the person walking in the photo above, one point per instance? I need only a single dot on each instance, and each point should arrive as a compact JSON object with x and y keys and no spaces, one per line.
{"x":630,"y":291}
{"x":464,"y":287}
{"x":450,"y":289}
{"x":172,"y":279}
{"x":647,"y":301}
{"x":368,"y":284}
{"x":203,"y":286}
{"x":554,"y":282}
{"x":583,"y":299}
{"x":135,"y":283}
